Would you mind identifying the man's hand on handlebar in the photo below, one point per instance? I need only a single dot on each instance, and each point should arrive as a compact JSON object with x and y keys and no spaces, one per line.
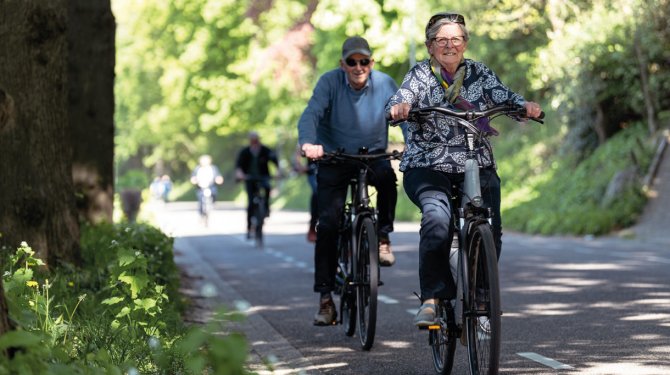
{"x":312,"y":151}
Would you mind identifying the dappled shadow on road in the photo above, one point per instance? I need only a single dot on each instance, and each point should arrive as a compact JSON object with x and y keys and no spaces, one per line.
{"x":600,"y":308}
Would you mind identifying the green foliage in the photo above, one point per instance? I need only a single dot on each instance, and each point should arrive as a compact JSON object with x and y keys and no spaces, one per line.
{"x":560,"y":198}
{"x":119,"y":313}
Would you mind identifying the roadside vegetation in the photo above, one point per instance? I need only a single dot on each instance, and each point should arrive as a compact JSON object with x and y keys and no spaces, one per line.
{"x":120,"y":312}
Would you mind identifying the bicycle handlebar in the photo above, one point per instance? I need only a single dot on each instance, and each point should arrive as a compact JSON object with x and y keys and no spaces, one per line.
{"x":510,"y":110}
{"x":339,"y":155}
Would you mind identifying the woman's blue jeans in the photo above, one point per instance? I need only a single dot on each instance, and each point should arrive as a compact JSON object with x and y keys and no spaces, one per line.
{"x":431,"y":190}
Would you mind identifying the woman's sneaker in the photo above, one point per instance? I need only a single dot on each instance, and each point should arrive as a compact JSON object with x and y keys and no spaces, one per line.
{"x":425,"y":316}
{"x":327,"y":315}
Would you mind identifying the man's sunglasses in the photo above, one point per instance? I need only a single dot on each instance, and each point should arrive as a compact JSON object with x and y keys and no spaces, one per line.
{"x":352,"y":62}
{"x":452,"y":17}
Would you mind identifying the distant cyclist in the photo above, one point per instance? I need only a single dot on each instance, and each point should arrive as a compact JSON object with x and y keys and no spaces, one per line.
{"x":253,"y":166}
{"x":206,"y":175}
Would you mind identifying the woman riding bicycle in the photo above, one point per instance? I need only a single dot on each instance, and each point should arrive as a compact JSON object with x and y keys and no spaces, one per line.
{"x":206,"y":176}
{"x":435,"y":153}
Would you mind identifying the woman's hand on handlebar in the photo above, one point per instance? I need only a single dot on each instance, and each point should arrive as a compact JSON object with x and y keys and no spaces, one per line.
{"x":399,"y":111}
{"x":312,"y":151}
{"x":533,"y":110}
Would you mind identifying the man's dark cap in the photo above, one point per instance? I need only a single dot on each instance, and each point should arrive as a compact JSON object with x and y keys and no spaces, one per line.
{"x":355,"y":44}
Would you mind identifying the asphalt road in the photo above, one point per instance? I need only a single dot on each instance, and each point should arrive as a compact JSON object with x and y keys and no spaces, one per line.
{"x":571,"y":305}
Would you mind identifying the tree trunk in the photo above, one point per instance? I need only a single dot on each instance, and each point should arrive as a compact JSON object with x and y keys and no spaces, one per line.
{"x":37,"y":201}
{"x":91,"y":57}
{"x":652,"y":114}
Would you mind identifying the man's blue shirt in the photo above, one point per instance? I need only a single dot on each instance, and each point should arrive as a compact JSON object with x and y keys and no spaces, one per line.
{"x":337,"y":116}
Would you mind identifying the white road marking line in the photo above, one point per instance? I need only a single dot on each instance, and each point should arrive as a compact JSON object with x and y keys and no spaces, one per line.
{"x":545,"y":361}
{"x":412,"y":311}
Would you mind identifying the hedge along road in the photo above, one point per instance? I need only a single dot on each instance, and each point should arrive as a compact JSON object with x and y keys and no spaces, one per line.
{"x":571,"y":305}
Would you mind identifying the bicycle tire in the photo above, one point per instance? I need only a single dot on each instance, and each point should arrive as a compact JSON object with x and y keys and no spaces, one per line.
{"x":347,"y":291}
{"x":367,"y":281}
{"x":207,"y":203}
{"x":259,"y":215}
{"x":483,"y":302}
{"x":443,"y":340}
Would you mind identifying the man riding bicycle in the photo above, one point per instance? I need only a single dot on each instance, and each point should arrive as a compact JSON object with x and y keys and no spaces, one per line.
{"x":253,"y":166}
{"x":346,"y":111}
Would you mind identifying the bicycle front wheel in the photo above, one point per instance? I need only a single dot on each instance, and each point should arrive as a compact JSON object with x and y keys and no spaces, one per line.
{"x":483,"y":323}
{"x":367,"y":281}
{"x":443,"y":337}
{"x":345,"y":277}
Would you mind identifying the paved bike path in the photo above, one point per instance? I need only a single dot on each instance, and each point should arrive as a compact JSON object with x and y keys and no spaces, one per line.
{"x":265,"y":342}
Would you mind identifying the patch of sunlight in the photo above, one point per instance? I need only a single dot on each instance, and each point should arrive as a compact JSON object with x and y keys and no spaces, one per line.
{"x":576,"y":281}
{"x":659,"y":294}
{"x":660,"y":349}
{"x":550,"y":309}
{"x":626,"y":368}
{"x":585,"y":267}
{"x":509,"y":314}
{"x":648,"y":336}
{"x":646,"y":286}
{"x":518,"y":196}
{"x":337,"y":349}
{"x":660,"y":302}
{"x":397,"y":344}
{"x":543,"y":289}
{"x":638,"y":317}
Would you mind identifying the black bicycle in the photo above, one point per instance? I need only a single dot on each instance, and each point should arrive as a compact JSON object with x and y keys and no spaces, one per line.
{"x":258,"y":212}
{"x":476,"y":320}
{"x":358,"y":250}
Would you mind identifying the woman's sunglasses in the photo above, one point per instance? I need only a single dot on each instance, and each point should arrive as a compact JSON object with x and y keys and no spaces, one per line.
{"x":352,"y":62}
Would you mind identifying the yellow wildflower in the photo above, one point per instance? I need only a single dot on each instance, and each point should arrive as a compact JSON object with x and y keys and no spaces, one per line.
{"x":32,"y":283}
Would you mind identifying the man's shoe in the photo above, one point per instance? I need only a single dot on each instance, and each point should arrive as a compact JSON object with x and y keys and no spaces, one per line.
{"x":311,"y":235}
{"x":386,"y":258}
{"x":327,"y":315}
{"x":425,"y":316}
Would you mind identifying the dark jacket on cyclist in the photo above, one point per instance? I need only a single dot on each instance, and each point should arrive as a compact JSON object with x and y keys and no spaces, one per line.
{"x":253,"y":161}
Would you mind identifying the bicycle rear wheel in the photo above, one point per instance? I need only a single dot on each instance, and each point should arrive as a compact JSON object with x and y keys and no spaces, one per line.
{"x":482,"y":321}
{"x":367,"y":280}
{"x":442,"y":340}
{"x":259,"y":218}
{"x":207,"y":204}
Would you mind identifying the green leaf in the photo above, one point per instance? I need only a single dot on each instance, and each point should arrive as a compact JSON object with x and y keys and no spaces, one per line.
{"x":112,"y":301}
{"x":136,"y":282}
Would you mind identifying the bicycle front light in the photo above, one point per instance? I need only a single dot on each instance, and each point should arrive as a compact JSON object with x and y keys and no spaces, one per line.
{"x":477,"y":201}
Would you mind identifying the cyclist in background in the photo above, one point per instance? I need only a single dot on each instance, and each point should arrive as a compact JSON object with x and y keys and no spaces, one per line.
{"x":346,"y":111}
{"x":434,"y":156}
{"x":252,"y":166}
{"x":206,"y":175}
